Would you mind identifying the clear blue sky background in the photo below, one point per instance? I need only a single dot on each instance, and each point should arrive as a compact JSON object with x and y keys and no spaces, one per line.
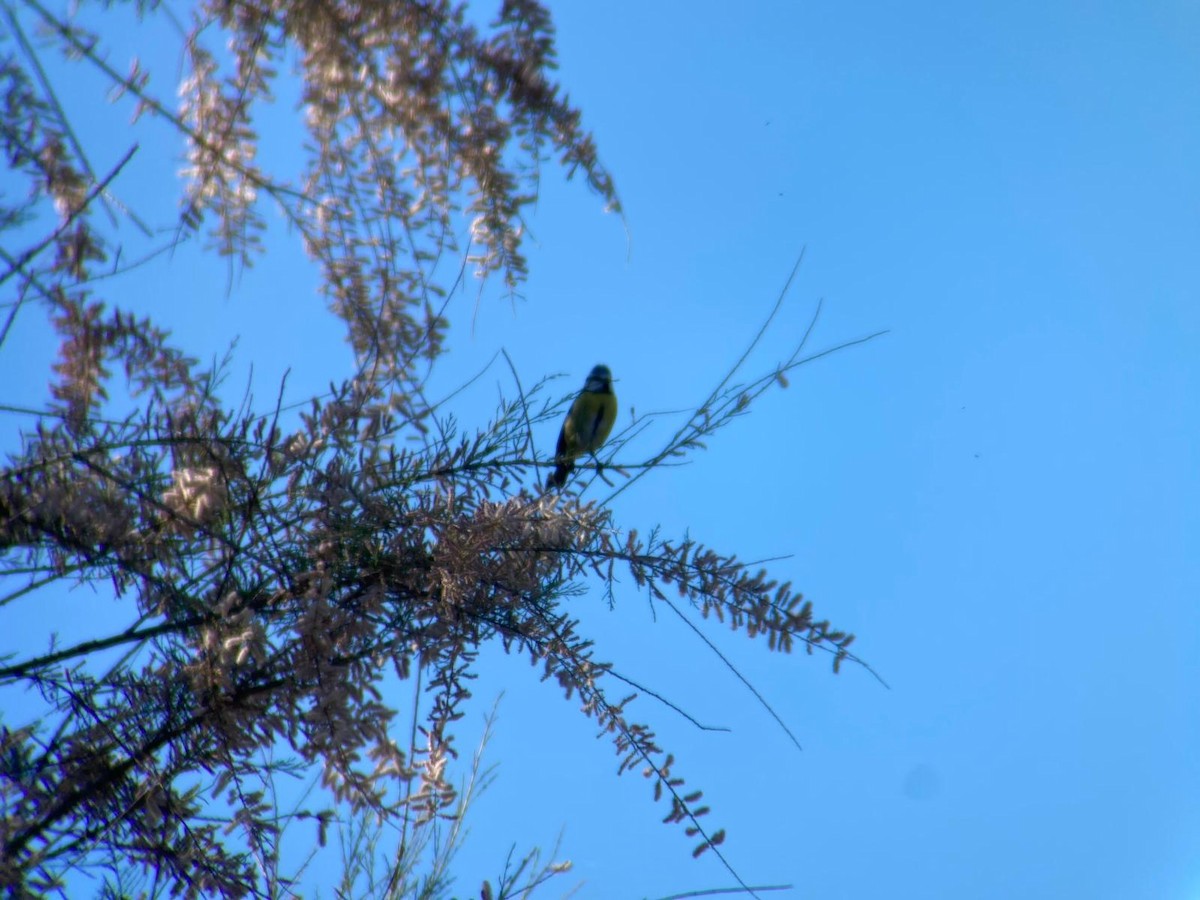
{"x":1000,"y":497}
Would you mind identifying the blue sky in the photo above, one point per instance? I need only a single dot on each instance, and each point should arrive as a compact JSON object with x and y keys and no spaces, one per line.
{"x":1000,"y":497}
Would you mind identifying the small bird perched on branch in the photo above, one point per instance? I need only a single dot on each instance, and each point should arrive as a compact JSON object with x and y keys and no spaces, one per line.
{"x":588,"y":422}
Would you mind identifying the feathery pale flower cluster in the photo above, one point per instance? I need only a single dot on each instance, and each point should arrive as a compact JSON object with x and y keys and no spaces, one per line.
{"x":230,"y":639}
{"x":197,"y":498}
{"x":64,"y":505}
{"x":63,"y":181}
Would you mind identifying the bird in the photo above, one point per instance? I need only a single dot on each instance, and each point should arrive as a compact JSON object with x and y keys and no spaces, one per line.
{"x":587,"y":425}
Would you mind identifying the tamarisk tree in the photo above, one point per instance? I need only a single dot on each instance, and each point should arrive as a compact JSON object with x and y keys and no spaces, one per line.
{"x":274,"y":567}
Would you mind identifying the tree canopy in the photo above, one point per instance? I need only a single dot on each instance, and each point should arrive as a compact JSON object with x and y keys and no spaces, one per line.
{"x":276,"y":565}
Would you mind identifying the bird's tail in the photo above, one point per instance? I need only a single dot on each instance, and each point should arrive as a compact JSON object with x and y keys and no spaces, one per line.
{"x":559,"y":476}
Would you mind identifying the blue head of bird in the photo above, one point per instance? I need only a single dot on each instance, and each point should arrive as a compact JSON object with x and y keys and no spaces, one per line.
{"x":599,"y":380}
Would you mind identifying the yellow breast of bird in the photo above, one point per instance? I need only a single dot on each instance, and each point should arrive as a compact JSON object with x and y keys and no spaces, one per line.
{"x":593,"y":419}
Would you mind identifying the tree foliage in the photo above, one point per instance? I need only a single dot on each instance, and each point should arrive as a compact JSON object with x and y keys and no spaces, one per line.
{"x":276,"y":569}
